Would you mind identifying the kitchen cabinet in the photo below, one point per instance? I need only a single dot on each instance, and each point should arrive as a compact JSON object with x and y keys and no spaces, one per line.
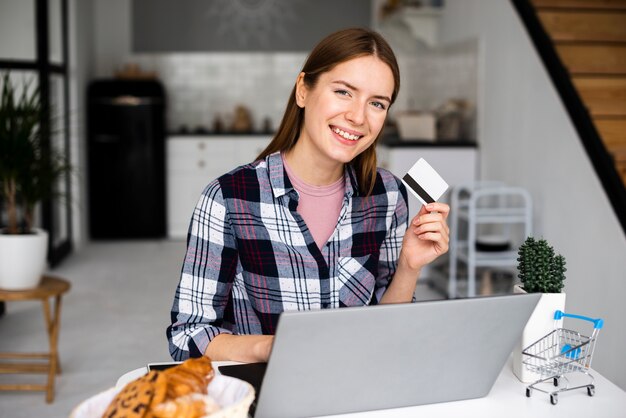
{"x":193,"y":162}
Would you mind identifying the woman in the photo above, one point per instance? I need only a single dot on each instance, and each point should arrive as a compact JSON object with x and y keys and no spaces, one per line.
{"x":312,"y":223}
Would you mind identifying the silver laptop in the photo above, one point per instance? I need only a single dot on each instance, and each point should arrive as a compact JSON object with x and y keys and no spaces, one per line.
{"x":389,"y":356}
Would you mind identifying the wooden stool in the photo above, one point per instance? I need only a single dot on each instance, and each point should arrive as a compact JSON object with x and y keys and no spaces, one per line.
{"x":49,"y":287}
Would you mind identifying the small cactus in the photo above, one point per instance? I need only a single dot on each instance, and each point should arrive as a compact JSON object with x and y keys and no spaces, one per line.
{"x":540,"y":270}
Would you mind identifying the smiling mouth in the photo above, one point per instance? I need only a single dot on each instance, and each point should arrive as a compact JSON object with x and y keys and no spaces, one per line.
{"x":346,"y":135}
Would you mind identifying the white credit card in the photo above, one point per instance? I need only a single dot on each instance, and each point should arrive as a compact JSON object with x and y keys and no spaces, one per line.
{"x":424,"y":182}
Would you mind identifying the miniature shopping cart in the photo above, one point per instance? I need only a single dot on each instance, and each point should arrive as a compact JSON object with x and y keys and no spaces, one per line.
{"x":560,"y":353}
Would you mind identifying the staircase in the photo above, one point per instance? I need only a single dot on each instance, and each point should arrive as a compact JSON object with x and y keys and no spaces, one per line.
{"x":589,"y":37}
{"x":582,"y":44}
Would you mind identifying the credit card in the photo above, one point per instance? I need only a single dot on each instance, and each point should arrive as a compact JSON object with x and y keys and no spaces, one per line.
{"x":424,"y":182}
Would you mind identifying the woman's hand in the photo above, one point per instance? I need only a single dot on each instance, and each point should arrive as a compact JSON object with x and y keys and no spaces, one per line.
{"x":427,"y":237}
{"x":243,"y":348}
{"x":263,"y":348}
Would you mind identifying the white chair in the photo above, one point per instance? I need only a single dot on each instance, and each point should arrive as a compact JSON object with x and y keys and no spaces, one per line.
{"x":480,"y":212}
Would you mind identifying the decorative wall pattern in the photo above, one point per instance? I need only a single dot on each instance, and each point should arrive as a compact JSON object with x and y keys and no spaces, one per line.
{"x":241,"y":25}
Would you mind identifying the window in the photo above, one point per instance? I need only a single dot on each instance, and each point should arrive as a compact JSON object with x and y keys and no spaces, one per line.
{"x":35,"y":35}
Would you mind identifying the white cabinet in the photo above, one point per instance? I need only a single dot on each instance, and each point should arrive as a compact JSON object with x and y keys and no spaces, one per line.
{"x":193,"y":162}
{"x":457,"y":165}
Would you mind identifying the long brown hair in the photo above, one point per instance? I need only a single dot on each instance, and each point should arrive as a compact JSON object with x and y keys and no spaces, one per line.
{"x":336,"y":48}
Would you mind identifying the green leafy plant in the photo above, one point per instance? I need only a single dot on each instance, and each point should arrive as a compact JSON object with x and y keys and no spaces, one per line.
{"x":28,"y":169}
{"x":540,"y":269}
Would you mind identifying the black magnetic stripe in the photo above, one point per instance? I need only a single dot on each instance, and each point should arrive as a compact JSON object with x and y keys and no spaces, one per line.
{"x":417,"y":188}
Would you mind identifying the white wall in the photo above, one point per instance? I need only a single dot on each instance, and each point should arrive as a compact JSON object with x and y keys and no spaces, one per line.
{"x":81,"y":18}
{"x":111,"y":36}
{"x":527,"y":139}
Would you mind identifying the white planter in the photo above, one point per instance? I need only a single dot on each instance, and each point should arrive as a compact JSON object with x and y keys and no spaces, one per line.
{"x":541,"y":322}
{"x":22,"y":259}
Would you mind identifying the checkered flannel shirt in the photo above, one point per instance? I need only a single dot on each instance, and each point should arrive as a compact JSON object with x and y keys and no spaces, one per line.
{"x":250,"y":255}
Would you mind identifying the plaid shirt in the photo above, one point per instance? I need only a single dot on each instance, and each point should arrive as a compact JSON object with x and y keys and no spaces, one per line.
{"x":250,"y":255}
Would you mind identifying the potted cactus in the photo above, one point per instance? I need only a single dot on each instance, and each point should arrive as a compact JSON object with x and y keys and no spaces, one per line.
{"x":541,"y":270}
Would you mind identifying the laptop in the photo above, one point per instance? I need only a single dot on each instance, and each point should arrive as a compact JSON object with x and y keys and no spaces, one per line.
{"x":349,"y":360}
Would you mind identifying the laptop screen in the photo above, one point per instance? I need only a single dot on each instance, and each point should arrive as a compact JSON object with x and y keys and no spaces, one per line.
{"x":389,"y":356}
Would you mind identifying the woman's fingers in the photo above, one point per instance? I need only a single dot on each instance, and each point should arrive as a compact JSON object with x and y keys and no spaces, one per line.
{"x":432,"y":212}
{"x":432,"y":227}
{"x":439,"y":240}
{"x":429,"y":218}
{"x":430,"y":224}
{"x":438,"y":207}
{"x":432,"y":233}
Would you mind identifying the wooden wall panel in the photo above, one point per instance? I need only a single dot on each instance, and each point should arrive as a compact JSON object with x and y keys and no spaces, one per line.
{"x":603,"y":96}
{"x":612,"y":131}
{"x":584,"y":26}
{"x":593,"y":59}
{"x":582,"y":4}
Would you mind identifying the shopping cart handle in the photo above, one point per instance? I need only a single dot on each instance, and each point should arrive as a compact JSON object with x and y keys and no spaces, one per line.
{"x":597,"y":323}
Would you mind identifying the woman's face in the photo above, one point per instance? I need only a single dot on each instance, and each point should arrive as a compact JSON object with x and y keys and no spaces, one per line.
{"x":346,"y":110}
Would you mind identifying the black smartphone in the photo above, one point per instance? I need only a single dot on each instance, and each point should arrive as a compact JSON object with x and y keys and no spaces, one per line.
{"x":162,"y":366}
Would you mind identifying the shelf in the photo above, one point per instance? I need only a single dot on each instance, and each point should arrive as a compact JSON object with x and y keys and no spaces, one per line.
{"x":494,"y":215}
{"x":508,"y":206}
{"x":488,"y":258}
{"x":423,"y":22}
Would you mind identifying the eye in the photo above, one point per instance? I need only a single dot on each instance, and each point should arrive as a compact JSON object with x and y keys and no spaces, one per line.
{"x":342,"y":92}
{"x":379,"y":105}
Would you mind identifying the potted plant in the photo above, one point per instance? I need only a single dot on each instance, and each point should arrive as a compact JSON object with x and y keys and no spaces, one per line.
{"x":28,"y":172}
{"x":540,"y":271}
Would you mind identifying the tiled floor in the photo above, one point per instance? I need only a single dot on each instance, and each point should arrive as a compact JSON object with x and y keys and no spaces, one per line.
{"x":113,"y":320}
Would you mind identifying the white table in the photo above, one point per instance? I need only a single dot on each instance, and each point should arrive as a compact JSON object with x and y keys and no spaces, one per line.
{"x":506,"y":399}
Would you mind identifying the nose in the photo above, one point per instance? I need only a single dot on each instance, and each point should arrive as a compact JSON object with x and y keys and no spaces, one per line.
{"x":356,"y":113}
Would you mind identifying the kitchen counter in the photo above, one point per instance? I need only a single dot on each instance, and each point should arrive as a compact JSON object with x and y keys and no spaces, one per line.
{"x":393,"y":140}
{"x":217,"y":135}
{"x":389,"y":140}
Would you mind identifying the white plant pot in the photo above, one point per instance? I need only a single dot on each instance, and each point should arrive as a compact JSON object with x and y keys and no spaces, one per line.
{"x":22,"y":259}
{"x":541,"y":323}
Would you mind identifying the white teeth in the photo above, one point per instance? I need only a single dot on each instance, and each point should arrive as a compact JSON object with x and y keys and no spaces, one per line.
{"x":346,"y":135}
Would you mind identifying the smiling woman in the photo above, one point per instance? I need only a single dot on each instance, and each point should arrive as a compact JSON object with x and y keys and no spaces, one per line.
{"x":312,"y":223}
{"x":342,"y":119}
{"x":340,"y":61}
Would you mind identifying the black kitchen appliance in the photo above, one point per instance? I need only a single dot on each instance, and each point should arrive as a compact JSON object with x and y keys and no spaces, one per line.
{"x":126,"y":159}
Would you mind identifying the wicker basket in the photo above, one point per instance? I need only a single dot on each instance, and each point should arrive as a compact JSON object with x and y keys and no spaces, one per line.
{"x":234,"y":396}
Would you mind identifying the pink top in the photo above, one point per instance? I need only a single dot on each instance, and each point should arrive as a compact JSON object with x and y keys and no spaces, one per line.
{"x":319,"y":206}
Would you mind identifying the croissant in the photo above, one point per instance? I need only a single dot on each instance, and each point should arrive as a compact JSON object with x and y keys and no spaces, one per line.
{"x":189,"y":406}
{"x":200,"y":365}
{"x":176,"y":392}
